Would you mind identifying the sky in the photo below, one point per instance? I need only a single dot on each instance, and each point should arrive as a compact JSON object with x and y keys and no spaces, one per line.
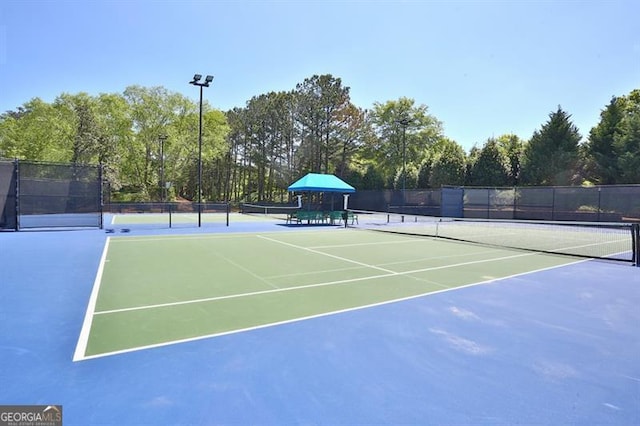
{"x":484,"y":68}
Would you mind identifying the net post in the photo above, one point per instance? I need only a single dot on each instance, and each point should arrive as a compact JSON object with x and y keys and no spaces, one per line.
{"x":169,"y":206}
{"x":228,"y":211}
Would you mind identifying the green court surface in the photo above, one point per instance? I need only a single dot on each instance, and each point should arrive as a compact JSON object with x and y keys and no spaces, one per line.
{"x":158,"y":290}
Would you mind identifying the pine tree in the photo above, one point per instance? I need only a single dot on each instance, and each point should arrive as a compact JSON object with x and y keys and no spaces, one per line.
{"x":552,"y":155}
{"x":490,"y":167}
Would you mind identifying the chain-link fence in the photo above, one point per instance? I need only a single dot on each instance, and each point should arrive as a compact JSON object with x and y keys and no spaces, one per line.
{"x":612,"y":203}
{"x":48,"y":195}
{"x":8,"y":188}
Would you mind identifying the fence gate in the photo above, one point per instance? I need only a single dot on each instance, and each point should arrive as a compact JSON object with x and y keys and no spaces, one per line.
{"x":452,"y":203}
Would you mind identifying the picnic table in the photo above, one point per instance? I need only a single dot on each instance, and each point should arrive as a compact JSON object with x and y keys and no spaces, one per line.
{"x":313,"y":216}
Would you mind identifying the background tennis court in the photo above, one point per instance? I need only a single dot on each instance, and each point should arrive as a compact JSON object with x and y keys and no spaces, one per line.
{"x":555,"y":341}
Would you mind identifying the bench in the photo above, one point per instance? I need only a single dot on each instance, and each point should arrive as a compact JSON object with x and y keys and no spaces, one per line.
{"x":306,"y":215}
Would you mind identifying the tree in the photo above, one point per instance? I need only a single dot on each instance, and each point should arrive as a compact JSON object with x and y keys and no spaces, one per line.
{"x":88,"y":135}
{"x":156,"y":111}
{"x":41,"y":131}
{"x":262,"y":144}
{"x":552,"y":155}
{"x":214,"y":151}
{"x":395,"y":144}
{"x":321,"y":105}
{"x":505,"y":152}
{"x":111,"y":113}
{"x":424,"y":173}
{"x":351,"y":135}
{"x":512,"y":148}
{"x":602,"y":158}
{"x":610,"y":149}
{"x":278,"y":137}
{"x":448,"y":165}
{"x":490,"y":166}
{"x":264,"y":123}
{"x":627,"y":143}
{"x":372,"y":178}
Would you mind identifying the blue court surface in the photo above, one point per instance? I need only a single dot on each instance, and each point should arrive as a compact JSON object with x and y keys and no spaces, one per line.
{"x":556,"y":346}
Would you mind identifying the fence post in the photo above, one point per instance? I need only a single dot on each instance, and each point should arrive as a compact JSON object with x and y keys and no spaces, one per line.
{"x":488,"y":203}
{"x":635,"y":229}
{"x":17,"y":178}
{"x":101,"y":186}
{"x":599,"y":203}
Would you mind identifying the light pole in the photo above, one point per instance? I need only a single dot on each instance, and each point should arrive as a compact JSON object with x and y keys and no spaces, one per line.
{"x":196,"y":82}
{"x":162,"y":139}
{"x":404,"y":122}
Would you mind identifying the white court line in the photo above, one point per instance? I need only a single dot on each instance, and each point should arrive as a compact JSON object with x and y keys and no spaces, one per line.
{"x":83,"y":339}
{"x":294,"y":320}
{"x":302,"y":287}
{"x":327,"y":254}
{"x":303,"y":274}
{"x":374,"y":243}
{"x":154,"y":238}
{"x":243,"y":269}
{"x":314,"y":250}
{"x":177,"y":237}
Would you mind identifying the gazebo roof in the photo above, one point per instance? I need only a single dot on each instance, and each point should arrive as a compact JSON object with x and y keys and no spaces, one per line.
{"x":317,"y":182}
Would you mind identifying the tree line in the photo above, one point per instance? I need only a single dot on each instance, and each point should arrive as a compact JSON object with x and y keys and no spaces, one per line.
{"x":146,"y":137}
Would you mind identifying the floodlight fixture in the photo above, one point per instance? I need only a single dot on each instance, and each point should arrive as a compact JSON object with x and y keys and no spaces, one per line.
{"x":208,"y":79}
{"x":196,"y":78}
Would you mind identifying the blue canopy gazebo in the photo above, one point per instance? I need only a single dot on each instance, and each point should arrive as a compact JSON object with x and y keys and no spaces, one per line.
{"x":317,"y":182}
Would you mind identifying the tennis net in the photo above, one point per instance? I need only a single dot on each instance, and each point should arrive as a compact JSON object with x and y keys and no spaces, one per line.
{"x":277,"y":211}
{"x":598,"y":240}
{"x":171,"y":214}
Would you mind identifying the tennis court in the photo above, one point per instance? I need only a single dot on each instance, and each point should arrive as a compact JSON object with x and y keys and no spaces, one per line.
{"x":267,"y":322}
{"x":160,"y":290}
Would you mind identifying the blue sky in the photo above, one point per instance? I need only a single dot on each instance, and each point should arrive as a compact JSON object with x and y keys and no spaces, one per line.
{"x":484,"y":68}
